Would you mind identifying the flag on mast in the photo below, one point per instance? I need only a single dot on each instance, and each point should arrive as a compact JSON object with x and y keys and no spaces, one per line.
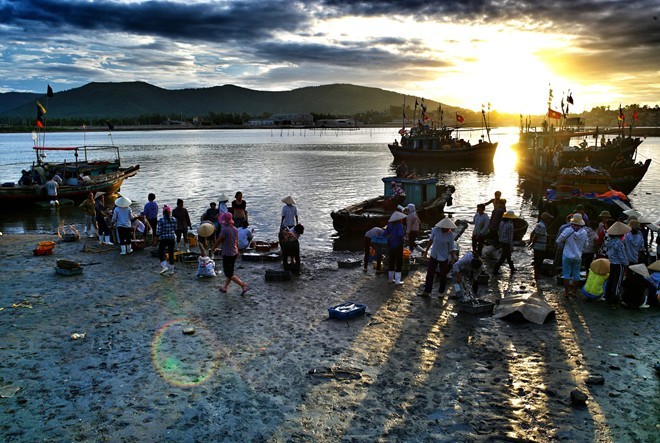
{"x":40,"y":114}
{"x":49,"y":92}
{"x":459,"y":118}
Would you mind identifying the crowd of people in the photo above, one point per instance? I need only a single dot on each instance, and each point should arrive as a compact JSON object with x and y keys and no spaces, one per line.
{"x":224,"y":228}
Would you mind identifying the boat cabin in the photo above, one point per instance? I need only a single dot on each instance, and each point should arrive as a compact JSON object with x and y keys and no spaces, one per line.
{"x":586,"y":179}
{"x":418,"y":191}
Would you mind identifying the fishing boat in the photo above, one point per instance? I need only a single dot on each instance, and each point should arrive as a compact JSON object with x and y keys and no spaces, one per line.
{"x":90,"y":168}
{"x":588,"y":187}
{"x":439,"y":144}
{"x":428,"y":196}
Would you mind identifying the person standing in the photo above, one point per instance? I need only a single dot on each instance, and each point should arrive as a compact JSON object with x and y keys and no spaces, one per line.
{"x":88,"y":207}
{"x":496,"y":200}
{"x":480,"y":230}
{"x":222,"y":204}
{"x":239,"y":211}
{"x":412,"y":227}
{"x":368,"y":244}
{"x":443,"y":255}
{"x":51,"y":190}
{"x":211,"y":215}
{"x":164,"y":237}
{"x":633,"y":242}
{"x":616,"y":253}
{"x":150,"y":211}
{"x":100,"y":210}
{"x":573,"y":238}
{"x":289,"y":213}
{"x":290,"y":247}
{"x":539,"y":242}
{"x":505,"y":238}
{"x":395,"y":234}
{"x":182,"y":224}
{"x":122,"y":218}
{"x":228,"y":238}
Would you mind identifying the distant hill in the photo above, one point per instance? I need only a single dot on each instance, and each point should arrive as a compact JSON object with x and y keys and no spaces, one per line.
{"x":134,"y":99}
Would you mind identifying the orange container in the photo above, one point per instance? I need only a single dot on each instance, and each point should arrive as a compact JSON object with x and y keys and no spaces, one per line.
{"x":44,"y":248}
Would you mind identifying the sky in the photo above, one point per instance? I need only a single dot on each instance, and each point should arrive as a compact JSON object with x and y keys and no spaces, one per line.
{"x":465,"y":53}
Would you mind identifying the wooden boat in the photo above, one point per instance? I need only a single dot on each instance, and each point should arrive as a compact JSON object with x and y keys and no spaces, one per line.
{"x":428,"y":196}
{"x":590,"y":188}
{"x":623,"y":179}
{"x":80,"y":176}
{"x":439,"y":144}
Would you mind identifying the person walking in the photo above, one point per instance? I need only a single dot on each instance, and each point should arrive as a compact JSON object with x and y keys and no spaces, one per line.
{"x":182,"y":225}
{"x":228,"y":239}
{"x":505,"y":238}
{"x":443,"y":255}
{"x":480,"y":220}
{"x":538,"y":241}
{"x":412,"y":227}
{"x":150,"y":211}
{"x":574,"y":239}
{"x":164,"y":237}
{"x":289,"y":213}
{"x":616,"y":253}
{"x":395,"y":234}
{"x":121,"y":219}
{"x":88,"y":207}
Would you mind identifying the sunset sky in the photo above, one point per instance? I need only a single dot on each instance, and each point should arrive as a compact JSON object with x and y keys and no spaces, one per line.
{"x":462,"y":53}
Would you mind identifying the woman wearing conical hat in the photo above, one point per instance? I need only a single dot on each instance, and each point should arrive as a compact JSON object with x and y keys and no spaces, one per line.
{"x":616,"y":253}
{"x":573,"y":239}
{"x":505,"y":237}
{"x":121,"y":218}
{"x":289,"y":213}
{"x":443,"y":255}
{"x":395,"y":233}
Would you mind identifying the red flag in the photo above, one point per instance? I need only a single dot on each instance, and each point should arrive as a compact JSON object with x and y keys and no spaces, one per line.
{"x":635,"y":115}
{"x":459,"y":118}
{"x":554,"y":114}
{"x":40,"y":115}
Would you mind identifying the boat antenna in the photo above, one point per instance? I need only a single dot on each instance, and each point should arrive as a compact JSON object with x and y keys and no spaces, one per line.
{"x":403,"y":113}
{"x":485,"y":122}
{"x":110,"y":128}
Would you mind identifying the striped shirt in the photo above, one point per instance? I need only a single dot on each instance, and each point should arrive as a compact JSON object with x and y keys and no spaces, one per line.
{"x":505,"y":231}
{"x":540,"y":237}
{"x":166,"y":228}
{"x":616,"y":252}
{"x":229,"y":235}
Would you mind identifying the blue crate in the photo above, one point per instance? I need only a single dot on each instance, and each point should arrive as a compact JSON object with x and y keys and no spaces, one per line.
{"x":346,"y":310}
{"x":378,"y":240}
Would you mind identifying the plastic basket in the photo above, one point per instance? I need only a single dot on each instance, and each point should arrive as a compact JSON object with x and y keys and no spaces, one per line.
{"x":346,"y":310}
{"x":64,"y":271}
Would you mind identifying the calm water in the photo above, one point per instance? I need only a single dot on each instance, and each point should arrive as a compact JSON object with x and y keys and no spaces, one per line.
{"x":323,"y":170}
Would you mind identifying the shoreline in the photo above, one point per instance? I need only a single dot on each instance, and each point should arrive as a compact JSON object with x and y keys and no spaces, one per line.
{"x":412,"y":369}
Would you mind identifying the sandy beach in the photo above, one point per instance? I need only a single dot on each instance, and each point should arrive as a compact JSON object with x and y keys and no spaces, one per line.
{"x":103,"y":356}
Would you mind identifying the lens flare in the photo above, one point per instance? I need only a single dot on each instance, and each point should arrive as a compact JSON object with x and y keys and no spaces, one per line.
{"x":185,"y":360}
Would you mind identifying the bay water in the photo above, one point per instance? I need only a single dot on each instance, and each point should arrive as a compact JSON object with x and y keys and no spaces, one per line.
{"x":324,"y":170}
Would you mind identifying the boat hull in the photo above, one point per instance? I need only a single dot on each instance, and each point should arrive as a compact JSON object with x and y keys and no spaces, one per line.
{"x":13,"y":196}
{"x":359,"y":218}
{"x":482,"y":152}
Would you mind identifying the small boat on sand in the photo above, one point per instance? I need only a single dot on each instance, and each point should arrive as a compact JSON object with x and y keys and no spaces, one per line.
{"x":428,"y":196}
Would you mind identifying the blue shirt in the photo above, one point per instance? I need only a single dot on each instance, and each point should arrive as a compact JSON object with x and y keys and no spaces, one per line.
{"x":395,"y":234}
{"x":150,"y":210}
{"x":633,"y":243}
{"x":616,"y":251}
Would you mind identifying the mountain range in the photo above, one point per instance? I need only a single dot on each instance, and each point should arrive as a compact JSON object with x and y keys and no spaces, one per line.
{"x":134,"y":99}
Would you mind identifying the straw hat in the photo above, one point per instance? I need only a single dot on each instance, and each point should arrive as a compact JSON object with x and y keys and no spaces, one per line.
{"x":605,"y":214}
{"x":123,"y":202}
{"x":396,"y":216}
{"x":600,"y":266}
{"x":632,"y":213}
{"x":223,"y":198}
{"x":98,"y":194}
{"x":618,"y":228}
{"x":510,"y":215}
{"x":577,"y":219}
{"x":288,"y":200}
{"x":205,"y":229}
{"x":655,"y":266}
{"x":640,"y":269}
{"x":546,"y":217}
{"x":446,"y":223}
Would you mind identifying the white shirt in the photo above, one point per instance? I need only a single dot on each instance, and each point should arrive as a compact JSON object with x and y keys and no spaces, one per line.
{"x":481,"y":222}
{"x":573,"y":241}
{"x":443,"y":244}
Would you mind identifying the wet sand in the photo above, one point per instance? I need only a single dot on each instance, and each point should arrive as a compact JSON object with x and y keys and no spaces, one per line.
{"x":413,"y":369}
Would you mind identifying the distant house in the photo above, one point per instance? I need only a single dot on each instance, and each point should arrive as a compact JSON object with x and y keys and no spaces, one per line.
{"x":260,"y":122}
{"x":301,"y":119}
{"x":338,"y":123}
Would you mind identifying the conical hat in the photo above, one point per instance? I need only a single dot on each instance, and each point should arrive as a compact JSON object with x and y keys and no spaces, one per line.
{"x":98,"y":194}
{"x":123,"y":202}
{"x":510,"y":215}
{"x":640,"y":269}
{"x":205,"y":229}
{"x":600,"y":266}
{"x":396,"y":216}
{"x":288,"y":200}
{"x":618,"y":228}
{"x":446,"y":223}
{"x":655,"y":266}
{"x":223,"y":198}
